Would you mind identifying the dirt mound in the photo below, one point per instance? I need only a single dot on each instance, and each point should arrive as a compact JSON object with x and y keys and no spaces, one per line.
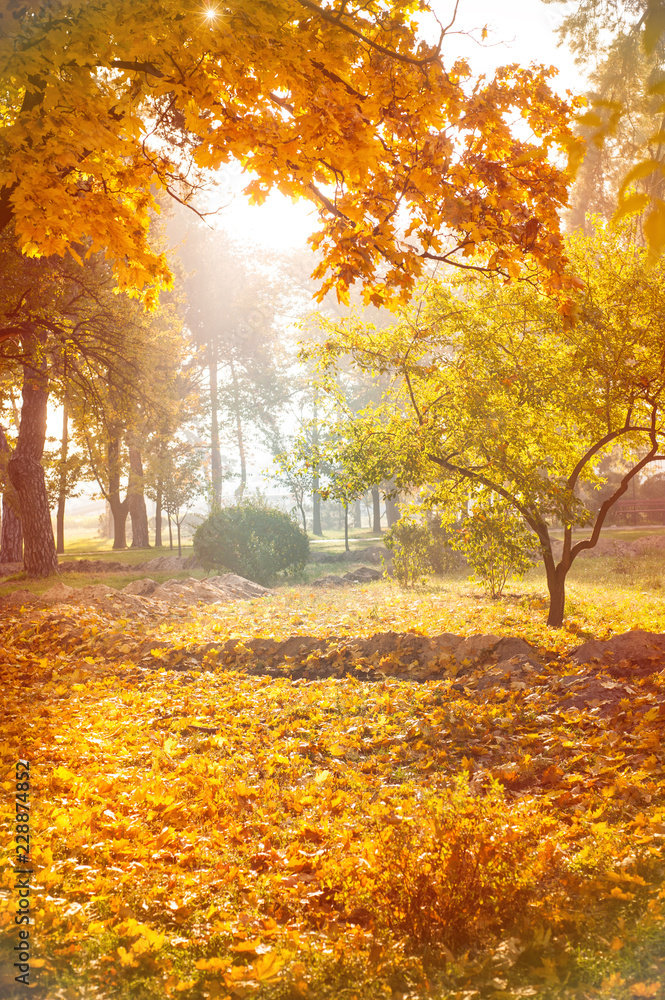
{"x":145,"y":593}
{"x":93,"y":566}
{"x":364,"y":574}
{"x":414,"y":657}
{"x":160,"y":564}
{"x":636,"y":647}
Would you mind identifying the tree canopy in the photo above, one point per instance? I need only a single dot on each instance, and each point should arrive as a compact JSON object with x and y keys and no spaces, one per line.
{"x":493,"y":397}
{"x":107,"y":102}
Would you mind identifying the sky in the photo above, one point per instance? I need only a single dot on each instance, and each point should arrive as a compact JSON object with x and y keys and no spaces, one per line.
{"x":522,"y":31}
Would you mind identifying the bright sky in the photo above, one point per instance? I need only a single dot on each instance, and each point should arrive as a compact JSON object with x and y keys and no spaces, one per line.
{"x":520,"y":31}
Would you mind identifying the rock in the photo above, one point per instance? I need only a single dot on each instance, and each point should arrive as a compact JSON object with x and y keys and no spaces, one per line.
{"x":142,"y":588}
{"x":364,"y":574}
{"x":59,"y":593}
{"x":636,"y":646}
{"x":476,"y":647}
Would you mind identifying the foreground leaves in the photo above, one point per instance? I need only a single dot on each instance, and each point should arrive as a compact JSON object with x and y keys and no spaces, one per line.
{"x":204,"y":833}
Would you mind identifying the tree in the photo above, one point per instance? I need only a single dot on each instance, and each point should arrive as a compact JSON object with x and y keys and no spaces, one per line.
{"x":623,"y":173}
{"x":182,"y":483}
{"x":107,"y":103}
{"x":232,"y":313}
{"x":494,"y":396}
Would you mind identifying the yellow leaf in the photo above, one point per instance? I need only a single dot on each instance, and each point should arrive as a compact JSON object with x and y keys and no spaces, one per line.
{"x":267,"y":967}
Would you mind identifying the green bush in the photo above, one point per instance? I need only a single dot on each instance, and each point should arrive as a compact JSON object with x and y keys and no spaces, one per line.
{"x":442,"y":556}
{"x":252,"y":540}
{"x":497,"y":545}
{"x":409,"y":542}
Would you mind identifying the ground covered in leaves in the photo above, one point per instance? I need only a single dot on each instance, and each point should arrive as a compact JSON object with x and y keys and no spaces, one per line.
{"x":313,"y":817}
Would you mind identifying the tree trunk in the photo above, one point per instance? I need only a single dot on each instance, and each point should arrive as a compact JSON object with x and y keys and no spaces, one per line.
{"x":177,"y":521}
{"x":27,"y":475}
{"x":158,"y":517}
{"x":376,"y":511}
{"x":136,"y":500}
{"x":392,"y":511}
{"x":556,"y":584}
{"x":346,"y":528}
{"x":215,"y":453}
{"x":11,"y":543}
{"x":357,"y":514}
{"x":62,"y":486}
{"x":170,"y":532}
{"x":241,"y":444}
{"x":11,"y":536}
{"x":119,"y":508}
{"x":304,"y":519}
{"x":316,"y":499}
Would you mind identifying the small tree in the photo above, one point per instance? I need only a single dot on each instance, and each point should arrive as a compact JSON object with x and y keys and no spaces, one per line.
{"x":496,"y":393}
{"x":182,"y":483}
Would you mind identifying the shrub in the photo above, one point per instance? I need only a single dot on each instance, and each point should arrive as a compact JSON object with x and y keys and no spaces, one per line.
{"x":497,"y":545}
{"x":252,"y":540}
{"x":442,"y":555}
{"x":420,"y":547}
{"x":449,"y":869}
{"x":409,"y":542}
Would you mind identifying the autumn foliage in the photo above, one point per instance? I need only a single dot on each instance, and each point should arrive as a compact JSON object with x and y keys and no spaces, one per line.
{"x":108,"y":104}
{"x":205,"y":833}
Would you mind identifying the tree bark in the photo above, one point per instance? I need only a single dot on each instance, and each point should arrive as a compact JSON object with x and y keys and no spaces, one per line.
{"x":241,"y":444}
{"x":392,"y":511}
{"x":158,"y":517}
{"x":27,"y":475}
{"x":178,"y":530}
{"x":11,"y":537}
{"x":170,"y":532}
{"x":215,"y":453}
{"x":346,"y":528}
{"x":357,"y":514}
{"x":11,"y":542}
{"x":62,"y":490}
{"x":316,"y":499}
{"x":119,"y":508}
{"x":556,"y":584}
{"x":376,"y":511}
{"x":136,"y":500}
